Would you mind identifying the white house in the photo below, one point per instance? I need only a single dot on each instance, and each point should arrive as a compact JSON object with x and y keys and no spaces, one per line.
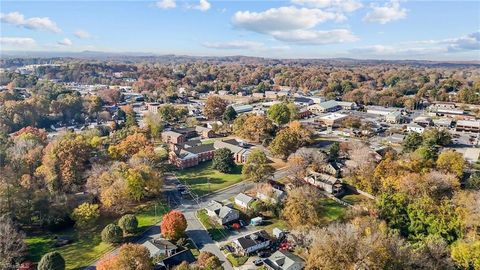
{"x":415,"y":128}
{"x":223,"y":214}
{"x":243,"y":200}
{"x":251,"y":243}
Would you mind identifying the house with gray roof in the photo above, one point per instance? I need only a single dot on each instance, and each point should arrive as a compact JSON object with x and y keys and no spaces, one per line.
{"x":243,"y":200}
{"x":222,"y":214}
{"x":284,"y":260}
{"x":160,"y":246}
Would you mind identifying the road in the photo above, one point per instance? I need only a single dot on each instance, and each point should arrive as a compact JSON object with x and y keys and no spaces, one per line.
{"x":189,"y":207}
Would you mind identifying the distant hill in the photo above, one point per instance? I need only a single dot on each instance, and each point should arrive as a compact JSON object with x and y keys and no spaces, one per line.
{"x":133,"y":57}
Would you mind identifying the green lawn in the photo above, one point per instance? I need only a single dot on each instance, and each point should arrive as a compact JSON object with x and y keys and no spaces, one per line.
{"x":354,"y":198}
{"x":237,"y":261}
{"x":87,"y":246}
{"x":331,"y":210}
{"x":200,"y":176}
{"x":216,"y":231}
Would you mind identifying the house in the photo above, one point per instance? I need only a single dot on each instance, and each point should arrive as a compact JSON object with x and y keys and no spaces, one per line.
{"x":347,"y":105}
{"x":176,"y":259}
{"x":423,"y":121}
{"x":302,"y":101}
{"x":191,"y":155}
{"x":160,"y":247}
{"x":238,"y":148}
{"x":271,"y":94}
{"x":172,"y":137}
{"x":239,"y":108}
{"x":204,"y":132}
{"x":378,"y":110}
{"x":415,"y":128}
{"x":396,"y":138}
{"x":468,"y":126}
{"x":258,"y":95}
{"x":393,"y":117}
{"x":222,"y":214}
{"x":251,"y":243}
{"x":326,"y":182}
{"x":270,"y":194}
{"x":243,"y":200}
{"x":443,"y":123}
{"x":278,"y":233}
{"x":284,"y":260}
{"x":317,"y":100}
{"x":153,"y":107}
{"x":333,"y":119}
{"x":329,"y":106}
{"x":332,"y":168}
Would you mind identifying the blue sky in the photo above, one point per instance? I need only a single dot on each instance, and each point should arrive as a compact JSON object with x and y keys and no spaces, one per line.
{"x":434,"y":30}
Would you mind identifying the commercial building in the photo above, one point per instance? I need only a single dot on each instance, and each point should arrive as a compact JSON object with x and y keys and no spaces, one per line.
{"x":468,"y":126}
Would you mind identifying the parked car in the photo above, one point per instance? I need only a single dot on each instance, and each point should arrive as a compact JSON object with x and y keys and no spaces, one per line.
{"x":258,"y":262}
{"x":62,"y":241}
{"x":263,"y":254}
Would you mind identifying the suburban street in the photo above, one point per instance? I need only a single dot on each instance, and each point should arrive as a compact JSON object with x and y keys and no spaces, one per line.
{"x":189,"y":207}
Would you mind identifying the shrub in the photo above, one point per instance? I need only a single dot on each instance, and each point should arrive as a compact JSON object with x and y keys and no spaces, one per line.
{"x":128,"y":223}
{"x":112,"y":233}
{"x":86,"y":214}
{"x":52,"y":261}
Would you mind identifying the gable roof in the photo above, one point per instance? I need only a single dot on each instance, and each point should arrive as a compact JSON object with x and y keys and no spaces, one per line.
{"x":252,"y":239}
{"x":244,"y":198}
{"x":200,"y":148}
{"x":281,"y":260}
{"x":178,"y":258}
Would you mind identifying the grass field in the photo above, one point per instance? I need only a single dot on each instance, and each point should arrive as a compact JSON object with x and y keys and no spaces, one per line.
{"x":87,"y":245}
{"x":203,"y":179}
{"x":331,"y":210}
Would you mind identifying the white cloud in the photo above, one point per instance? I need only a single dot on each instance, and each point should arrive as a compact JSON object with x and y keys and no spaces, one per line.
{"x":294,"y":25}
{"x":469,"y":42}
{"x":235,"y":45}
{"x":337,"y":5}
{"x":166,"y":4}
{"x":283,"y":19}
{"x":314,"y":37}
{"x":203,"y":5}
{"x":82,"y":34}
{"x":14,"y":18}
{"x":17,"y":41}
{"x":34,"y":23}
{"x":391,"y":11}
{"x":65,"y":42}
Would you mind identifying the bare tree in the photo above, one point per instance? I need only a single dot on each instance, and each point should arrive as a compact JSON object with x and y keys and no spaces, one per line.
{"x":12,"y":244}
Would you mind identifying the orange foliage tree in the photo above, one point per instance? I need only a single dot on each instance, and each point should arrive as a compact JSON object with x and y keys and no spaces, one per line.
{"x":173,"y":225}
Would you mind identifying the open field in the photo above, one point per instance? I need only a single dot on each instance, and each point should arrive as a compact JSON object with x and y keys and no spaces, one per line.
{"x":203,"y":179}
{"x":87,"y":245}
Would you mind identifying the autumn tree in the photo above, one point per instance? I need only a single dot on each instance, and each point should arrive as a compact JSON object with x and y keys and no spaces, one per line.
{"x":129,"y":257}
{"x":131,"y":145}
{"x":252,"y":127}
{"x":134,"y":257}
{"x":86,"y":214}
{"x":451,"y":161}
{"x":173,"y":225}
{"x":257,"y":167}
{"x":302,"y":207}
{"x":214,"y":107}
{"x":466,"y":254}
{"x":208,"y":261}
{"x":289,"y":139}
{"x":63,"y":163}
{"x":154,"y":124}
{"x":362,"y":244}
{"x":223,"y":160}
{"x":279,"y":113}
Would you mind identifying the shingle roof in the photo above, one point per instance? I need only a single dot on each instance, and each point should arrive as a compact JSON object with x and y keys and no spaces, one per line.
{"x":200,"y":148}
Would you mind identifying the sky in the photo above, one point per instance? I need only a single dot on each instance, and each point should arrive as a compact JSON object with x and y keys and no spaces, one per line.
{"x":393,"y":29}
